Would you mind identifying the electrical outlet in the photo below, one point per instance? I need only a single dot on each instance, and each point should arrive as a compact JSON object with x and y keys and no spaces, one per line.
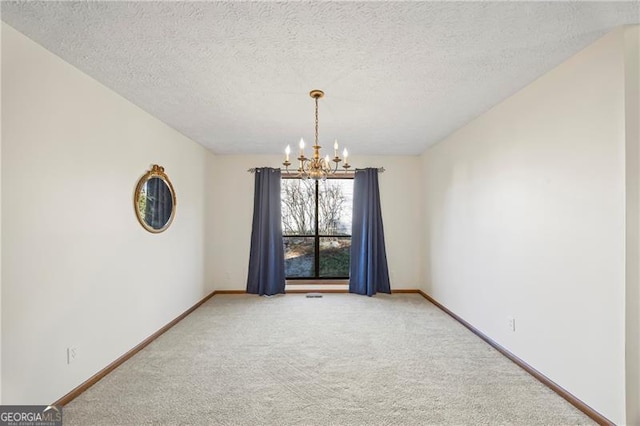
{"x":511,"y":321}
{"x":72,"y":354}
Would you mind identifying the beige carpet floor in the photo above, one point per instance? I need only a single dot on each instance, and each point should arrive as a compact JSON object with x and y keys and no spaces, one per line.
{"x":339,"y":360}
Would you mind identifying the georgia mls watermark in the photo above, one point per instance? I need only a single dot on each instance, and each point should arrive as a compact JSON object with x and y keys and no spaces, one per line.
{"x":30,"y":415}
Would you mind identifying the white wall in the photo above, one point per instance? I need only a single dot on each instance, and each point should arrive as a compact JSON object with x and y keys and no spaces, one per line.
{"x":234,"y":211}
{"x":78,"y":269}
{"x":632,"y":127}
{"x":525,"y":217}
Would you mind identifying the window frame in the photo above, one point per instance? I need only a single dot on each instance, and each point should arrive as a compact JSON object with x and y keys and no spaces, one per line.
{"x":316,"y":236}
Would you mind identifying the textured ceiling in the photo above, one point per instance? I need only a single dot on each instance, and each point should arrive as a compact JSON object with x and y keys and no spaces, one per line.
{"x":235,"y":76}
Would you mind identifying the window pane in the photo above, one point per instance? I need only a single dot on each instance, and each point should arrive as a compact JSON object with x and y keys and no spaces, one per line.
{"x":299,"y":253}
{"x":298,"y":206}
{"x":334,"y":257}
{"x":335,"y":204}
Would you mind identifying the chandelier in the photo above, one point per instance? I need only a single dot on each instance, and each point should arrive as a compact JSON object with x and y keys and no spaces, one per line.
{"x":317,"y":167}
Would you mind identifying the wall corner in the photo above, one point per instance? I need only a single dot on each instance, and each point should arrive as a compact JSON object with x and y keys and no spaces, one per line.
{"x":632,"y":261}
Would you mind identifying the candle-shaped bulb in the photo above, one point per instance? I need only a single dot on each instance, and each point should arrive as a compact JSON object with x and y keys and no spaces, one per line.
{"x":287,"y":151}
{"x":345,"y":154}
{"x":327,"y":161}
{"x":335,"y":148}
{"x":301,"y":147}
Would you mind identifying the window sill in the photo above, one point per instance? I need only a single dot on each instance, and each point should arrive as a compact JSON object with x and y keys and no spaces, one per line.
{"x":317,"y":282}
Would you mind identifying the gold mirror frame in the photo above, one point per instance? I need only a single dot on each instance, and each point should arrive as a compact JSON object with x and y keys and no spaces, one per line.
{"x":155,"y":172}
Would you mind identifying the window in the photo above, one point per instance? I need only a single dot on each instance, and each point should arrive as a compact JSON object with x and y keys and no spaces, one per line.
{"x":316,"y":224}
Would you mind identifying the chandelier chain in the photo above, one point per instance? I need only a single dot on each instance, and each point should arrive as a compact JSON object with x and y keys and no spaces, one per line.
{"x":316,"y":135}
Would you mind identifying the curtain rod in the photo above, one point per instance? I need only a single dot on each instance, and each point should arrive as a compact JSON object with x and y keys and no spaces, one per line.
{"x":380,"y":170}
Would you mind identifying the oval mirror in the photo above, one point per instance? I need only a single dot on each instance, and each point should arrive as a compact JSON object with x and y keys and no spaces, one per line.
{"x":155,"y":200}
